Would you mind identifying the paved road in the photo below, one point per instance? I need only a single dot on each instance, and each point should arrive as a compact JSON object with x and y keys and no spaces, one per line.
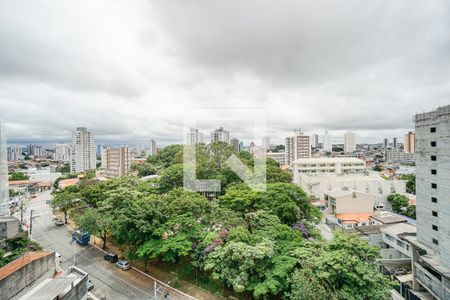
{"x":109,"y":281}
{"x":325,"y":230}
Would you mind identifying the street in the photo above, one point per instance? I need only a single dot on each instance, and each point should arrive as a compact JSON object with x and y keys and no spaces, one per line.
{"x":110,"y":282}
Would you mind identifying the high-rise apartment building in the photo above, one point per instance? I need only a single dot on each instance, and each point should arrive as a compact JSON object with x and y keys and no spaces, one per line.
{"x":194,"y":136}
{"x":350,"y":142}
{"x":152,"y":148}
{"x":115,"y":162}
{"x":62,"y":153}
{"x":34,"y":150}
{"x":82,"y":151}
{"x":14,"y":153}
{"x":315,"y":140}
{"x":4,"y":189}
{"x":409,"y":143}
{"x":327,"y":146}
{"x":235,"y":143}
{"x":266,"y":143}
{"x":220,"y":134}
{"x":385,"y":143}
{"x":431,"y":254}
{"x":394,"y":143}
{"x":297,"y":146}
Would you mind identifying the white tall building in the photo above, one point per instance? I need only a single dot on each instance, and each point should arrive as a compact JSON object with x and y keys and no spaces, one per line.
{"x":82,"y":151}
{"x":4,"y":189}
{"x":62,"y":152}
{"x":14,"y":153}
{"x":266,"y":143}
{"x":297,"y":146}
{"x":194,"y":136}
{"x":327,"y":146}
{"x":315,"y":140}
{"x":350,"y":143}
{"x":152,"y":148}
{"x":220,"y":134}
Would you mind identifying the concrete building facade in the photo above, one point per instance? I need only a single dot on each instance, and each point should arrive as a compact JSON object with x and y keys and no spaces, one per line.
{"x":194,"y":137}
{"x":220,"y":134}
{"x":409,"y":142}
{"x":82,"y":151}
{"x":62,"y":152}
{"x":277,"y":156}
{"x":115,"y":162}
{"x":296,"y":147}
{"x":431,"y":262}
{"x":327,"y":143}
{"x":235,"y":143}
{"x":14,"y":153}
{"x":349,"y":142}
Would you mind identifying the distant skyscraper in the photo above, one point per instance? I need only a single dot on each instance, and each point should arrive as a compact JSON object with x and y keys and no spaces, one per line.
{"x":14,"y":153}
{"x":194,"y":136}
{"x":409,"y":143}
{"x":152,"y":148}
{"x":350,"y":143}
{"x":385,"y":143}
{"x":34,"y":150}
{"x":4,"y":190}
{"x":327,"y":146}
{"x":315,"y":140}
{"x":235,"y":143}
{"x":297,"y":146}
{"x":394,"y":143}
{"x":62,"y":152}
{"x":266,"y":143}
{"x":241,"y":146}
{"x":220,"y":134}
{"x":82,"y":151}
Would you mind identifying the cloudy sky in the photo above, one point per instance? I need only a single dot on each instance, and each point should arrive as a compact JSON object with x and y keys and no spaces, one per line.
{"x":129,"y":70}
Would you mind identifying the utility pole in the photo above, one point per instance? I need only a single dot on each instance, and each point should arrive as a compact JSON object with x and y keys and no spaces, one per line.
{"x":31,"y":223}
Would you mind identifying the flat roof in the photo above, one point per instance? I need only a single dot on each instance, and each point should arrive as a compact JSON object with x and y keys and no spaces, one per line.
{"x":387,"y":217}
{"x":399,"y":228}
{"x":371,"y":229}
{"x":328,"y":160}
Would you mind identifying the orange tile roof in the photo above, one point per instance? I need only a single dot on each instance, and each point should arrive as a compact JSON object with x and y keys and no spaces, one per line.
{"x":352,"y":218}
{"x":68,"y":182}
{"x":19,"y":182}
{"x":20,"y":262}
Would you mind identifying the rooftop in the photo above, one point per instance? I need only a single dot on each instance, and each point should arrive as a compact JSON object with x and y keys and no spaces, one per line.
{"x":371,"y":229}
{"x":387,"y":217}
{"x":399,"y":229}
{"x":351,"y":218}
{"x":328,"y":160}
{"x":20,"y":262}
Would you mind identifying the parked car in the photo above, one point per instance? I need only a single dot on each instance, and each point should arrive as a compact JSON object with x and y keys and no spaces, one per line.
{"x":81,"y":237}
{"x":90,"y":285}
{"x":111,"y":257}
{"x":59,"y":222}
{"x":33,"y":196}
{"x":123,"y":264}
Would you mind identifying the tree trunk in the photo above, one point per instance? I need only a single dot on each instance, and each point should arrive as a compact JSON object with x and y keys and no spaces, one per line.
{"x":145,"y":265}
{"x":104,"y":242}
{"x":65,"y":217}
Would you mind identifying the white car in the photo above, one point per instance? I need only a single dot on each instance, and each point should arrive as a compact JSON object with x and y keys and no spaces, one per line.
{"x":123,"y":264}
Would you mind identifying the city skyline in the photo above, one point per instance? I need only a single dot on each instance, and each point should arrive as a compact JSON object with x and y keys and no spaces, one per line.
{"x":158,"y":66}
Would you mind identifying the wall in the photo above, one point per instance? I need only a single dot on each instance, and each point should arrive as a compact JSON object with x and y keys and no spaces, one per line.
{"x":362,"y":203}
{"x":26,"y":276}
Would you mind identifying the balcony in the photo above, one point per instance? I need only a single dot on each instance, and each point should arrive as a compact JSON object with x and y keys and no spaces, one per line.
{"x":431,"y":282}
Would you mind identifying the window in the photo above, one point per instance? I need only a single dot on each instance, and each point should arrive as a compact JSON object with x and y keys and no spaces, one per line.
{"x":435,"y":228}
{"x":433,"y":157}
{"x":433,"y":129}
{"x":433,"y":144}
{"x":435,"y":241}
{"x":434,"y":213}
{"x":434,"y":199}
{"x":433,"y":172}
{"x":434,"y":186}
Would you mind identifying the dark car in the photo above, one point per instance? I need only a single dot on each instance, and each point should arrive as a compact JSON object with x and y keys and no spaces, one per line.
{"x":111,"y":257}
